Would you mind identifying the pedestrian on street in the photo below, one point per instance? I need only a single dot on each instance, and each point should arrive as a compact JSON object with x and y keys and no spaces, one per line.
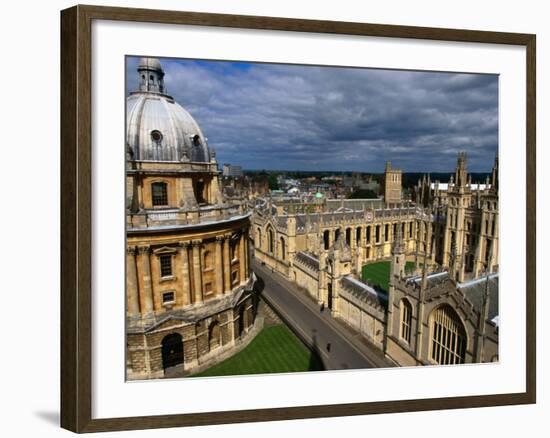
{"x":328,"y":347}
{"x":322,"y":307}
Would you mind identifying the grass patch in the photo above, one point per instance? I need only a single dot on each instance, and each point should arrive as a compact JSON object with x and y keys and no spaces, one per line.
{"x":378,"y":274}
{"x":274,"y":350}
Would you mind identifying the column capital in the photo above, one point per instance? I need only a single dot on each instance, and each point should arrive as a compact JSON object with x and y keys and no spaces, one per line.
{"x":220,"y":239}
{"x":196,"y":242}
{"x":227,"y":236}
{"x":184,"y":244}
{"x":131,"y":250}
{"x":146,"y":249}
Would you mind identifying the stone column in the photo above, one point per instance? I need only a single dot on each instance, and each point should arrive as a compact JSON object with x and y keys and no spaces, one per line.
{"x":219,"y":265}
{"x":197,"y":271}
{"x":186,"y":284}
{"x":147,"y":297}
{"x":242,"y":256}
{"x":226,"y":263}
{"x":131,"y":283}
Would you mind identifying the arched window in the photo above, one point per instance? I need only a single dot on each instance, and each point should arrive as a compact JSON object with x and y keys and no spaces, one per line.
{"x":214,"y":340}
{"x":258,"y":237}
{"x":270,"y":240}
{"x":326,"y":238}
{"x":196,"y":140}
{"x":448,"y":337}
{"x":283,"y":249}
{"x":159,"y":194}
{"x":406,"y":320}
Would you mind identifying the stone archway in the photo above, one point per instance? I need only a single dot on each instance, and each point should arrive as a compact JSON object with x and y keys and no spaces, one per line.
{"x":448,"y":337}
{"x":172,"y":350}
{"x":214,"y":338}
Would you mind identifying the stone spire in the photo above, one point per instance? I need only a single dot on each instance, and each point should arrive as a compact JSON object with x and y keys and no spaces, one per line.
{"x":461,"y":172}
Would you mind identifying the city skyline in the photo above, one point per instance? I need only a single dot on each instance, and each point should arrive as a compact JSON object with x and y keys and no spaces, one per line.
{"x":289,"y":118}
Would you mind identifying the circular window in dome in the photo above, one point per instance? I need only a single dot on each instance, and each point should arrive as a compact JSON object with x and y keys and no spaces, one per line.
{"x":156,"y":136}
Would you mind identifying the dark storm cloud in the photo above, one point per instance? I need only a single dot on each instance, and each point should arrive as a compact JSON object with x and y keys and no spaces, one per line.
{"x":294,"y":117}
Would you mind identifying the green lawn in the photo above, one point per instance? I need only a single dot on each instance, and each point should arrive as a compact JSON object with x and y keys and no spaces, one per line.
{"x":274,"y":350}
{"x":378,"y":274}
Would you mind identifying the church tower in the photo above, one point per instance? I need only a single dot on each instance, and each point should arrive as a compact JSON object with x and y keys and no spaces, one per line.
{"x":392,"y":184}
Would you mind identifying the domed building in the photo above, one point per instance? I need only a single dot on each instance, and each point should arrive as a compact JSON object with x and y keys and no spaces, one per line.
{"x":189,"y":287}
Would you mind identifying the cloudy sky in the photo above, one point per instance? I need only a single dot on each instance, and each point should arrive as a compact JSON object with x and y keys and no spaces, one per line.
{"x":286,"y":117}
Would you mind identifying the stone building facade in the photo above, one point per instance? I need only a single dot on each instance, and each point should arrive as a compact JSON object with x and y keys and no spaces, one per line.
{"x":323,"y":249}
{"x":189,"y":287}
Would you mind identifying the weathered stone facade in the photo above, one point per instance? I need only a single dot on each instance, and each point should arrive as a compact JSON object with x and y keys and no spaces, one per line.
{"x":189,"y":287}
{"x":323,"y":249}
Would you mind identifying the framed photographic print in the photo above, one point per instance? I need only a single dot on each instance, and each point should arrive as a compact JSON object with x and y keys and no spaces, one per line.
{"x":268,"y":218}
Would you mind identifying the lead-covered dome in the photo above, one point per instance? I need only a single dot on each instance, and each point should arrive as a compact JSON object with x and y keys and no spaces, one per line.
{"x":157,"y":127}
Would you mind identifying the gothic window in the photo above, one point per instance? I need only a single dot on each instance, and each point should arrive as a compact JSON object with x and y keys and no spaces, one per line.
{"x":448,"y":337}
{"x":386,"y":232}
{"x":406,"y":320}
{"x":358,"y":236}
{"x":377,"y":233}
{"x":326,"y":239}
{"x":159,"y":194}
{"x":493,"y":228}
{"x":368,"y":234}
{"x":259,"y":237}
{"x":283,"y":249}
{"x":348,"y":236}
{"x":270,"y":240}
{"x":165,"y":265}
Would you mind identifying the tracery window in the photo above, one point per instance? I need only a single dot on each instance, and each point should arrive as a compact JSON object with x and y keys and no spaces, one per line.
{"x":448,"y":337}
{"x":406,"y":321}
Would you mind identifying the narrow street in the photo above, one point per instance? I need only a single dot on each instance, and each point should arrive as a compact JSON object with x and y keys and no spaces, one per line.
{"x":337,"y":346}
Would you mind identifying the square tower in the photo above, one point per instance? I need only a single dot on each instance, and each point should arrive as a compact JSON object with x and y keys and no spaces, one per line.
{"x":392,"y":184}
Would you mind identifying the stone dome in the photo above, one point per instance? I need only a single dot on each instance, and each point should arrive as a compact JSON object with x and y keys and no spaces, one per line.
{"x":150,"y":64}
{"x":158,"y":128}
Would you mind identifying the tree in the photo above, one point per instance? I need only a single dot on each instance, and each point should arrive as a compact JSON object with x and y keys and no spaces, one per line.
{"x":363,"y":194}
{"x":272,"y":181}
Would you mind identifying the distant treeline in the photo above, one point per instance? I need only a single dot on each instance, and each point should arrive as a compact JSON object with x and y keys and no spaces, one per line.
{"x":409,"y":178}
